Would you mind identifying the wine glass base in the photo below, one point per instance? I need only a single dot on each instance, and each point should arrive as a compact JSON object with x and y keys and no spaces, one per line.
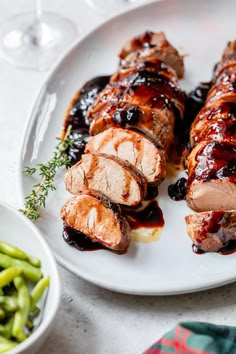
{"x":21,"y":46}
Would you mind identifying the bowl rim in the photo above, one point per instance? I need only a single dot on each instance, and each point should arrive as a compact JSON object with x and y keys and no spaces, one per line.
{"x":45,"y":323}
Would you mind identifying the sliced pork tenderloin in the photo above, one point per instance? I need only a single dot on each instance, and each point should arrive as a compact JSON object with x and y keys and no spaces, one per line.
{"x":98,"y":218}
{"x":151,"y":64}
{"x":212,"y":176}
{"x":116,"y":179}
{"x":224,"y":89}
{"x":211,"y":230}
{"x":133,"y":147}
{"x":214,"y":122}
{"x":155,"y":45}
{"x":227,"y":61}
{"x":157,"y":124}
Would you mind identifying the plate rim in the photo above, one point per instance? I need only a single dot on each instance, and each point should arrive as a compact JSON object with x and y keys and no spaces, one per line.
{"x":20,"y":176}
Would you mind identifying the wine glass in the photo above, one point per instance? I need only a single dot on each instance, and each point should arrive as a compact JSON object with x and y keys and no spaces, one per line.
{"x":35,"y":40}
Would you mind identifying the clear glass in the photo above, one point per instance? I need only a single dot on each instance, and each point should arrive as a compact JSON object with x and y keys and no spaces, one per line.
{"x":36,"y":39}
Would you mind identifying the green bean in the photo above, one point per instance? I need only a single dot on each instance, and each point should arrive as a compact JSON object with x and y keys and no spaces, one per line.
{"x":15,"y":252}
{"x":6,"y":330}
{"x":2,"y":313}
{"x":8,"y":303}
{"x":34,"y":261}
{"x":11,"y":250}
{"x":32,"y":273}
{"x":7,"y":275}
{"x":6,"y":345}
{"x":21,"y":315}
{"x":18,"y":307}
{"x":38,"y":291}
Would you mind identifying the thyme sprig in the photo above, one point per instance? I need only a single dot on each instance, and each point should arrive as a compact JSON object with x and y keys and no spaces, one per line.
{"x":47,"y":171}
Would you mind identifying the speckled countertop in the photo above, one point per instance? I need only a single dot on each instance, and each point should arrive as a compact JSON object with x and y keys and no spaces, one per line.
{"x":91,"y":319}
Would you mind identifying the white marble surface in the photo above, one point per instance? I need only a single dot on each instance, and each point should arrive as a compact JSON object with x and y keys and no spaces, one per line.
{"x":90,"y":319}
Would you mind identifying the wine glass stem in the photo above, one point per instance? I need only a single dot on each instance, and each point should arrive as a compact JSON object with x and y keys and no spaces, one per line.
{"x":38,"y":34}
{"x":38,"y":11}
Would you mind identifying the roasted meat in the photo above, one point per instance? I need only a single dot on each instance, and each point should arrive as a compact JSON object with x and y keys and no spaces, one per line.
{"x":211,"y":164}
{"x":212,"y":230}
{"x":152,"y":45}
{"x":131,"y":122}
{"x":95,"y":216}
{"x":217,"y":122}
{"x":133,"y":147}
{"x":144,"y":93}
{"x":156,"y":124}
{"x":115,"y":178}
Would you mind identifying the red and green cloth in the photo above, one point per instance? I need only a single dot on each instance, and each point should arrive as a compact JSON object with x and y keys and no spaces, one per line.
{"x":196,"y":338}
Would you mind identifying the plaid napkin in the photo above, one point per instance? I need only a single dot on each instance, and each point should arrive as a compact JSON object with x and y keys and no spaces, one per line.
{"x":196,"y":338}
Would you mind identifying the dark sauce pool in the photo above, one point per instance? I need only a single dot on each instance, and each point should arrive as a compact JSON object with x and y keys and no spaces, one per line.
{"x":149,"y":217}
{"x":77,"y":116}
{"x":82,"y":242}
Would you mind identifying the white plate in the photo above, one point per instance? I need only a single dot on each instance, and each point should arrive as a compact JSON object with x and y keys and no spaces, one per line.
{"x":201,"y":30}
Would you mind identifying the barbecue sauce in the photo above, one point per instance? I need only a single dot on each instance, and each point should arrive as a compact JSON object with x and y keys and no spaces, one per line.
{"x":215,"y":160}
{"x":79,"y":240}
{"x":214,"y":224}
{"x":195,"y":102}
{"x":82,"y":242}
{"x":77,"y":116}
{"x":149,"y":217}
{"x":177,"y":191}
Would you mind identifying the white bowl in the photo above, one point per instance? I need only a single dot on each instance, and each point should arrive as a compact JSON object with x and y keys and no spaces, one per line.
{"x":20,"y":231}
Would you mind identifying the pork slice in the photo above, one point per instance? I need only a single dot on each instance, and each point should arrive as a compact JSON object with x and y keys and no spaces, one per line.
{"x":227,"y":61}
{"x":154,"y":84}
{"x":133,"y":147}
{"x":156,"y":124}
{"x":152,"y":65}
{"x":152,"y":45}
{"x":225,"y":87}
{"x":211,"y":230}
{"x":212,"y":160}
{"x":212,"y":195}
{"x":142,"y":95}
{"x":214,"y":122}
{"x":212,"y":176}
{"x":98,"y":218}
{"x":229,"y":50}
{"x":118,"y":180}
{"x":222,"y":66}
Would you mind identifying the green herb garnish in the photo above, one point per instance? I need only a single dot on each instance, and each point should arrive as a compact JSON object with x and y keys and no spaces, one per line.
{"x":47,"y":171}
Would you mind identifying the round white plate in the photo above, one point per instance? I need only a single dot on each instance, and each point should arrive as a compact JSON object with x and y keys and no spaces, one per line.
{"x":200,"y":29}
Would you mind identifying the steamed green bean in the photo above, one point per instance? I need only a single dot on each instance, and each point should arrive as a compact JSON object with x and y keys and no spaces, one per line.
{"x":29,"y":271}
{"x":15,"y":252}
{"x":18,"y":306}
